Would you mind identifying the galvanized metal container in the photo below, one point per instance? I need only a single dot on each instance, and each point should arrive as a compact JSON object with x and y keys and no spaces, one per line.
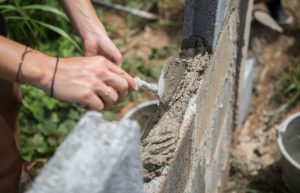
{"x":289,"y":144}
{"x":142,"y":113}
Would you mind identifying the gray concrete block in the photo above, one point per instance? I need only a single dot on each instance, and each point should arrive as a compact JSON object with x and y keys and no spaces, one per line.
{"x":204,"y":19}
{"x":97,"y":157}
{"x":220,"y":155}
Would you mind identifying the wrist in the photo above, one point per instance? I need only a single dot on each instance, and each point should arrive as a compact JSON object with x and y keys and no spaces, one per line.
{"x":91,"y":30}
{"x":38,"y":70}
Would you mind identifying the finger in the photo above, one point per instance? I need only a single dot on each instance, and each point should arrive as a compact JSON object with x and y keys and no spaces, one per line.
{"x":118,"y":83}
{"x":108,"y":95}
{"x":108,"y":49}
{"x":131,"y":82}
{"x":117,"y":58}
{"x":91,"y":101}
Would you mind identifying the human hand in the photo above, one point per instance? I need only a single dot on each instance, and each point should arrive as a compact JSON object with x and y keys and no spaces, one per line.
{"x":93,"y":82}
{"x":91,"y":30}
{"x":97,"y":42}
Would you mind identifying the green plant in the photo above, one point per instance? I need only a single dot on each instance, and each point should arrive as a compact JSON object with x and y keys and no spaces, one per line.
{"x":287,"y":90}
{"x":45,"y":123}
{"x":34,"y":21}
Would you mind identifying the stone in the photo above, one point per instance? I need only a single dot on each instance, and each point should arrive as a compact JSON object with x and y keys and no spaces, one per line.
{"x":97,"y":157}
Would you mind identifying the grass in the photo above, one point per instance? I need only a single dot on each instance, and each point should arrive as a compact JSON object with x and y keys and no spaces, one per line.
{"x":287,"y":91}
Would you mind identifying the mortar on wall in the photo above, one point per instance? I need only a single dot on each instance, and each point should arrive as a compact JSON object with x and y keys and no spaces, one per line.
{"x":289,"y":144}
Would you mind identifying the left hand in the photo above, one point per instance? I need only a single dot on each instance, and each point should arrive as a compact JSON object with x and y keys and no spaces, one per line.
{"x":98,"y":43}
{"x":92,"y":32}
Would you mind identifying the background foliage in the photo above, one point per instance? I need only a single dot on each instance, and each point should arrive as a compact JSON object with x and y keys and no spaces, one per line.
{"x":287,"y":90}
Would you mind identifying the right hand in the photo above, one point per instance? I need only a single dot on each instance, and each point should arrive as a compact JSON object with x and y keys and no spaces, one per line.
{"x":93,"y":82}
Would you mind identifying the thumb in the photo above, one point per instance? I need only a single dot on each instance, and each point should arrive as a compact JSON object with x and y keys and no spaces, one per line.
{"x":90,"y":48}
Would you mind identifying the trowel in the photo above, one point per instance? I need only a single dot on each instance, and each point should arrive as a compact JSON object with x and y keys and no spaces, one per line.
{"x":169,"y":79}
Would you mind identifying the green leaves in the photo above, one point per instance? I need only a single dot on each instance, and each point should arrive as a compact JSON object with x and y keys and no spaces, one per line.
{"x":45,"y":122}
{"x":32,"y":21}
{"x":287,"y":91}
{"x":46,"y":8}
{"x":59,"y":31}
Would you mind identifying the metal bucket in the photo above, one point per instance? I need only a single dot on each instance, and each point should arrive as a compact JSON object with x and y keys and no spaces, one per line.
{"x":142,"y":113}
{"x":289,"y":145}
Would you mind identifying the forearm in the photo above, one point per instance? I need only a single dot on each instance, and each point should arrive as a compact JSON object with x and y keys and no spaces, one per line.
{"x":35,"y":67}
{"x":83,"y":17}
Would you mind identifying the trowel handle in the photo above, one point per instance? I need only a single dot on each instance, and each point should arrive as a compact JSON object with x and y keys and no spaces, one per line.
{"x":146,"y":85}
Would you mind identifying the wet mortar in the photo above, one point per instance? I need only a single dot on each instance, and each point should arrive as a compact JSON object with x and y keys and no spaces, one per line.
{"x":162,"y":130}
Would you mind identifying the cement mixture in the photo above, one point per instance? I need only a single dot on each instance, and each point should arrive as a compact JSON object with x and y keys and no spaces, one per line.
{"x":159,"y":142}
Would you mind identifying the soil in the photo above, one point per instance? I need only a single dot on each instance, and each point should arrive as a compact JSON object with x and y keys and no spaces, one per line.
{"x":142,"y":39}
{"x":255,"y":158}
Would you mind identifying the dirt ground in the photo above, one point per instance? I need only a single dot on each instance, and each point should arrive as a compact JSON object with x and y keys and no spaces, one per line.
{"x":255,"y":159}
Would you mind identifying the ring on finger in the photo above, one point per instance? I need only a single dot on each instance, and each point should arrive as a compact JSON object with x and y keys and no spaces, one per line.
{"x":108,"y":92}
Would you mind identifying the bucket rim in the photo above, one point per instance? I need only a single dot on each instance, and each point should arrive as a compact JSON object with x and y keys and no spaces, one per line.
{"x":282,"y":129}
{"x":140,"y":106}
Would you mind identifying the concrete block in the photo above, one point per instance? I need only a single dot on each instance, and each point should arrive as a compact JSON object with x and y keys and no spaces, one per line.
{"x":97,"y":157}
{"x":219,"y":72}
{"x":219,"y":155}
{"x":204,"y":19}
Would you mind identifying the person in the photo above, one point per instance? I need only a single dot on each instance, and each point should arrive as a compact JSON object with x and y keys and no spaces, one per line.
{"x":95,"y":80}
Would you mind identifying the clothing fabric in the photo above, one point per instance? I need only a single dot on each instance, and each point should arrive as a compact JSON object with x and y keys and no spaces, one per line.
{"x":10,"y":158}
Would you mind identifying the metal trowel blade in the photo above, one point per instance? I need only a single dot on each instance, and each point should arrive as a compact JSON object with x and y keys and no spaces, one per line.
{"x":168,"y":81}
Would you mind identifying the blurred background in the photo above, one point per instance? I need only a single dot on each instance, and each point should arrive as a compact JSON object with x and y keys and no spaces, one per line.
{"x":146,"y":45}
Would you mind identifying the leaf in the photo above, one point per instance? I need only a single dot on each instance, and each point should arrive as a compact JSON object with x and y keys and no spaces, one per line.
{"x":52,"y":142}
{"x":49,"y":127}
{"x":59,"y":31}
{"x":7,"y":8}
{"x":50,"y":27}
{"x":46,"y":8}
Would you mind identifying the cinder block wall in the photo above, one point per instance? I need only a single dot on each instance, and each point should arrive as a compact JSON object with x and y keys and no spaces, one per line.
{"x":201,"y":161}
